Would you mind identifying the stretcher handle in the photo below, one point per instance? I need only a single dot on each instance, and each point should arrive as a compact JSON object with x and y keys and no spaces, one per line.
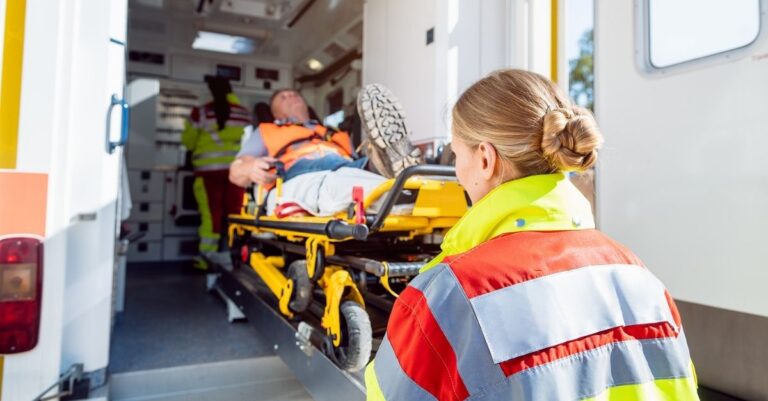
{"x":375,"y":222}
{"x":337,"y":229}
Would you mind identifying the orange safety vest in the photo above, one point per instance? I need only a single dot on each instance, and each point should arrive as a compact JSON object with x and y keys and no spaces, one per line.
{"x":280,"y":141}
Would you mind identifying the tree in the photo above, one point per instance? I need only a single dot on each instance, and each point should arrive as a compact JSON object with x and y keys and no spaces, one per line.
{"x":582,"y":72}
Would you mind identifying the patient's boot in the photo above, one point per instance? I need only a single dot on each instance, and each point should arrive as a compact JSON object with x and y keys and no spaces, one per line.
{"x":385,"y":135}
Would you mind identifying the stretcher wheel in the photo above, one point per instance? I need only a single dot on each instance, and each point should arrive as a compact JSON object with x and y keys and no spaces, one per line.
{"x":355,"y":349}
{"x":302,"y":287}
{"x":319,"y":264}
{"x":236,"y":252}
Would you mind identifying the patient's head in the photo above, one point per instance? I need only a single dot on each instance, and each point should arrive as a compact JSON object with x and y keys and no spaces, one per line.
{"x":288,"y":103}
{"x":515,"y":123}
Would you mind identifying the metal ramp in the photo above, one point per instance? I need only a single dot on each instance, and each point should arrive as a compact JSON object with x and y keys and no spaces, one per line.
{"x":253,"y":379}
{"x":321,"y":378}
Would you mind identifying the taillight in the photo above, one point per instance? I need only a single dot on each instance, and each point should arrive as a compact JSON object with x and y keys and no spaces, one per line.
{"x":21,"y":290}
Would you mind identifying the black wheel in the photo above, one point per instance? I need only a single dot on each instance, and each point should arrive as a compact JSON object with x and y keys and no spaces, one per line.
{"x":302,"y":287}
{"x":239,"y":253}
{"x":355,"y":349}
{"x":319,"y":264}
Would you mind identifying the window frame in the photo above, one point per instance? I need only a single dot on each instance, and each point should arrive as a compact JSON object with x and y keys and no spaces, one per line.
{"x":643,"y":43}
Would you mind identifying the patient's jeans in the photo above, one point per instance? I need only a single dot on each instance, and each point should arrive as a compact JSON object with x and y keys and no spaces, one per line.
{"x":328,"y":162}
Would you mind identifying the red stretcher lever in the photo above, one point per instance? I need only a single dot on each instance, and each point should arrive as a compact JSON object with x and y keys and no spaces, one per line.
{"x":358,"y":198}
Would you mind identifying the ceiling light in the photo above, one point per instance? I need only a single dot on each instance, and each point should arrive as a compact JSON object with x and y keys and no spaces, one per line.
{"x":219,"y":42}
{"x":314,"y":64}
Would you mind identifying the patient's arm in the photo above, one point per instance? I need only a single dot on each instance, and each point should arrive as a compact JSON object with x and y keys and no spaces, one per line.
{"x":247,"y":170}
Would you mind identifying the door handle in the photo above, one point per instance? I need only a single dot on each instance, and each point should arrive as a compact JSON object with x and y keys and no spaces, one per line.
{"x":116,"y":101}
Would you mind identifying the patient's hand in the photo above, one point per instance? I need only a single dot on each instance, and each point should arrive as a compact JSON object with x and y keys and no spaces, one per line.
{"x":248,"y":170}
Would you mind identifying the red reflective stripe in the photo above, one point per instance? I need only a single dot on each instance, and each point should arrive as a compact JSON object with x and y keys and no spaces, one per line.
{"x":627,"y":333}
{"x":514,"y":258}
{"x":422,"y":349}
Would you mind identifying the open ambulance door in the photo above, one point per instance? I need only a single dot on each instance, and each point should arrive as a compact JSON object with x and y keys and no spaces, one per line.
{"x":683,"y":179}
{"x":63,"y":121}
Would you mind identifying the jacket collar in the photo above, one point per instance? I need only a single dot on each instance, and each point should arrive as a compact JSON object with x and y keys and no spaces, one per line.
{"x":547,"y":202}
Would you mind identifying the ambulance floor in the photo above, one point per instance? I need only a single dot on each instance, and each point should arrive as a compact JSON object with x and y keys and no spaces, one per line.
{"x":171,"y":320}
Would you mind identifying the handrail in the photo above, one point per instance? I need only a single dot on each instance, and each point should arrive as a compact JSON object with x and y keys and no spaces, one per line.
{"x":375,"y":222}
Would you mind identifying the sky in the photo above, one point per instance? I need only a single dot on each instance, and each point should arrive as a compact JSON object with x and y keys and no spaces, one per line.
{"x":579,"y":18}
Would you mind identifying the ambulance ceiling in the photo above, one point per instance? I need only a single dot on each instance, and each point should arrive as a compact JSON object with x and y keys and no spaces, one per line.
{"x":282,"y":30}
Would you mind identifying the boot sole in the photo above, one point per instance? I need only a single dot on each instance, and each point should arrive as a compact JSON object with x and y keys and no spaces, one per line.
{"x":384,"y":123}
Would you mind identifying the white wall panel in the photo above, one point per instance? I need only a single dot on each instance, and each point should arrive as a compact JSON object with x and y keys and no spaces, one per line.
{"x":471,"y":39}
{"x":395,"y":54}
{"x":375,"y":51}
{"x":494,"y":34}
{"x":34,"y":144}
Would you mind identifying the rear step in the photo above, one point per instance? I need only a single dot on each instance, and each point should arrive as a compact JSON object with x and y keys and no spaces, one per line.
{"x":253,"y":379}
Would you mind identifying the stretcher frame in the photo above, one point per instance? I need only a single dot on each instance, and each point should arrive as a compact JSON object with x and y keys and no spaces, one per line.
{"x":347,"y":253}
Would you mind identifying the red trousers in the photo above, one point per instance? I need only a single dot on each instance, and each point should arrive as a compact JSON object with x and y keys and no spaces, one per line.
{"x":223,"y":197}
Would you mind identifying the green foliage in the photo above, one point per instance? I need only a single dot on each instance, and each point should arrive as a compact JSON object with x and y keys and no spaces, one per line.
{"x":582,"y":72}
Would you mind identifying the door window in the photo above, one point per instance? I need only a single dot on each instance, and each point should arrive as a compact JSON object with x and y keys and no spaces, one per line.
{"x":683,"y":30}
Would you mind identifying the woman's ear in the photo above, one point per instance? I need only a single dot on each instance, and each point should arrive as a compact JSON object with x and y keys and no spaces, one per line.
{"x":489,"y":160}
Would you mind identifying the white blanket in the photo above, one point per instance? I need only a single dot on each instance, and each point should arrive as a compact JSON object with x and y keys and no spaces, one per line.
{"x":325,"y":193}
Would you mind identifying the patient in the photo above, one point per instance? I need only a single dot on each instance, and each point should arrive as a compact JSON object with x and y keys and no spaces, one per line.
{"x":303,"y":145}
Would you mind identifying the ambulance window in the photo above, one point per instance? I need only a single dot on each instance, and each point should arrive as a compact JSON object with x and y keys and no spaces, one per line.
{"x":683,"y":30}
{"x":579,"y":45}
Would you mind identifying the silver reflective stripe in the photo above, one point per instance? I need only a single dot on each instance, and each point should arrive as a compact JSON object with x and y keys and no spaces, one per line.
{"x":550,"y":310}
{"x":215,"y":135}
{"x":213,"y":167}
{"x":423,"y":280}
{"x":209,"y":241}
{"x":214,"y":155}
{"x":590,"y":373}
{"x":454,"y":315}
{"x":393,"y":382}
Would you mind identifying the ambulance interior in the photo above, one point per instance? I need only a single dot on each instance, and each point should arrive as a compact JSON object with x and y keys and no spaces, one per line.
{"x":172,"y":338}
{"x":164,"y":316}
{"x":314,"y":46}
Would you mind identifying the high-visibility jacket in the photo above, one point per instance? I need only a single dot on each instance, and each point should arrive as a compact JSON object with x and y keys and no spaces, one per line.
{"x":213,"y":148}
{"x":289,"y":143}
{"x":530,"y":302}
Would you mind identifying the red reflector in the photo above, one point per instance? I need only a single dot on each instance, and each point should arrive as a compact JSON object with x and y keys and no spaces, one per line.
{"x":21,"y":269}
{"x":244,"y":253}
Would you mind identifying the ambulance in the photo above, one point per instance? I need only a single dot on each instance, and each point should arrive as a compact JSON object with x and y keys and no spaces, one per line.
{"x":99,"y":225}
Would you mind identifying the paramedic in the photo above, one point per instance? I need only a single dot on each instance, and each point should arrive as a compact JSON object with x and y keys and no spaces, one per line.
{"x":527,"y":301}
{"x":304,"y":145}
{"x":212,"y":135}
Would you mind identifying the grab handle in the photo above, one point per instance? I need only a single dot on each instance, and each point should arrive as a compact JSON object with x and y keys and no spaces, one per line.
{"x":116,"y":101}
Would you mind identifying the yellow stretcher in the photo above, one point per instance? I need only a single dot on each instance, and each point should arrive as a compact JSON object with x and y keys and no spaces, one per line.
{"x":342,"y":261}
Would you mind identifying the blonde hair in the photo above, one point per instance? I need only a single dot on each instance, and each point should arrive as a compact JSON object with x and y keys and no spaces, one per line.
{"x":529,"y":121}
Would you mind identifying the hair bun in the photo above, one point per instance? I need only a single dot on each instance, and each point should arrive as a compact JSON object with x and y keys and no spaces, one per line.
{"x":570,"y":138}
